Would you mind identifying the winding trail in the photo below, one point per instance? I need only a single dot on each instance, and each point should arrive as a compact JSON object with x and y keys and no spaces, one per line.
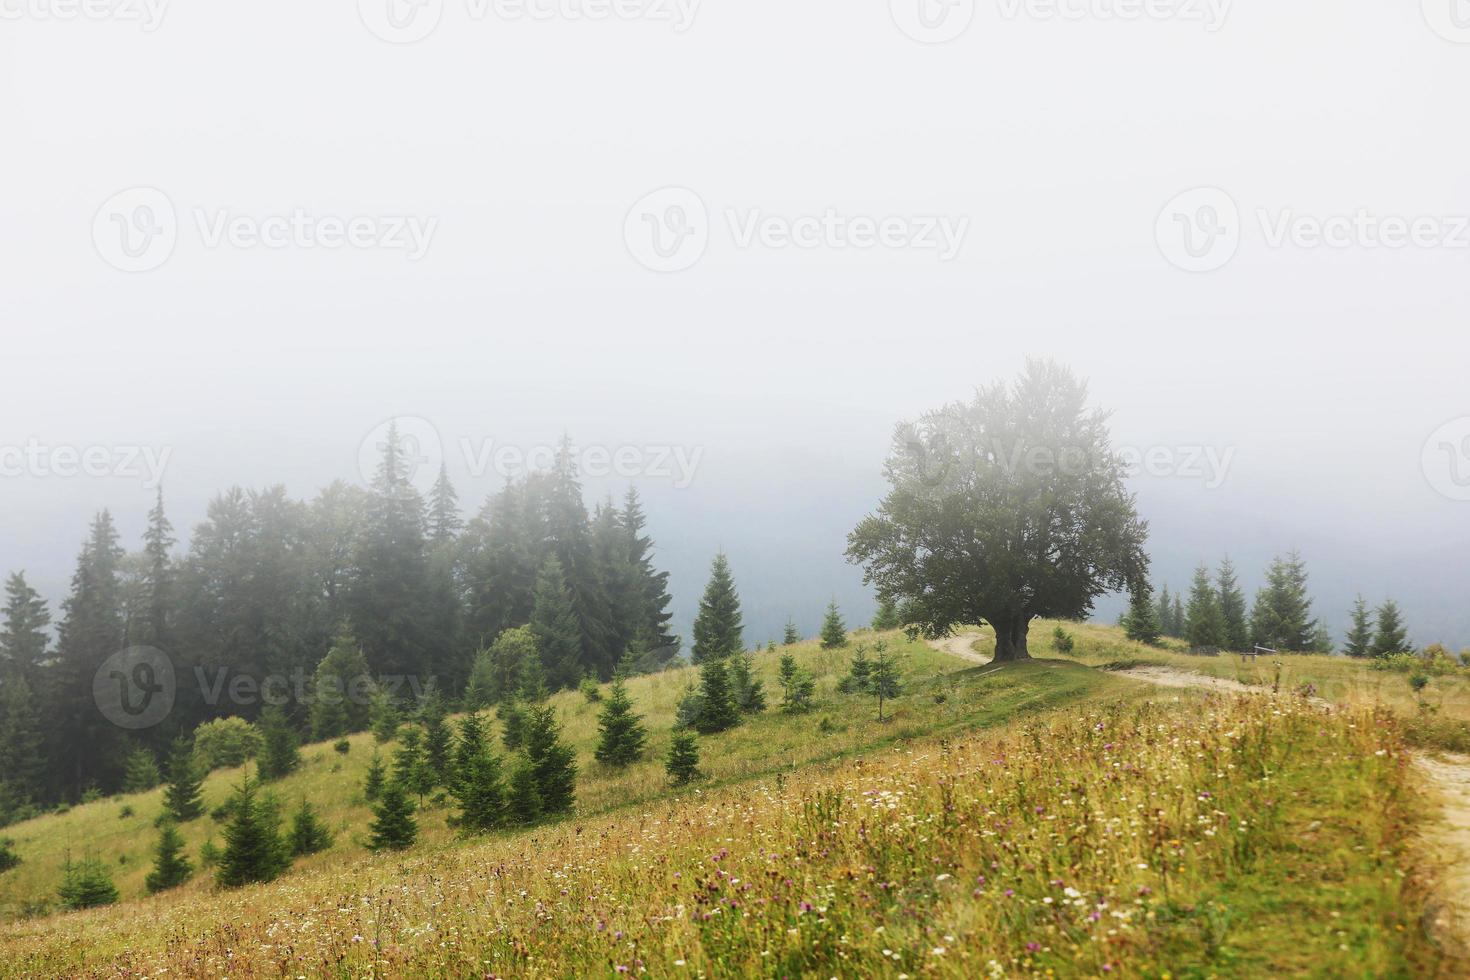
{"x":1447,"y":775}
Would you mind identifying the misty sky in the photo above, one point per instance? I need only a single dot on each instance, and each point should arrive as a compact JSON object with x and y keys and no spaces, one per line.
{"x":1316,"y":373}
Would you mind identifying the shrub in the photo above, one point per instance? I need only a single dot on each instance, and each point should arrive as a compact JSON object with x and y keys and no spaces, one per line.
{"x":86,"y":884}
{"x":343,"y":746}
{"x":1062,"y":640}
{"x":8,"y":857}
{"x":682,"y":763}
{"x":124,"y":813}
{"x":226,"y":743}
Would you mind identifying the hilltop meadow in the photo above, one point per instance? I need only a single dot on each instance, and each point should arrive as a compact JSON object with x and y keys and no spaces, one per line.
{"x":1042,"y":817}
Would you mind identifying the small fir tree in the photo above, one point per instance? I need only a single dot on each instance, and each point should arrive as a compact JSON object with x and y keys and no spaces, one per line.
{"x":393,"y":827}
{"x":1360,"y":636}
{"x":886,"y":618}
{"x":621,"y":736}
{"x":254,"y":850}
{"x":372,"y":786}
{"x":553,"y":761}
{"x":141,"y":773}
{"x":834,"y":631}
{"x":717,"y":709}
{"x":884,"y":678}
{"x":682,"y":763}
{"x":1390,"y":635}
{"x":797,"y":686}
{"x":523,"y":802}
{"x":86,"y":884}
{"x":718,"y":628}
{"x":791,"y":636}
{"x":181,"y":800}
{"x":308,"y":834}
{"x":170,"y":867}
{"x":748,"y":690}
{"x":279,"y":752}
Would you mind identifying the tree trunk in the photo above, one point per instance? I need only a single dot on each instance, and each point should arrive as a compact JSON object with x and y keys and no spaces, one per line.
{"x":1010,"y":638}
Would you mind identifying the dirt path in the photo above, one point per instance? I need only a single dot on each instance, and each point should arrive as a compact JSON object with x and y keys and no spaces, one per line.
{"x":1447,"y":918}
{"x":961,"y":646}
{"x":1174,"y":677}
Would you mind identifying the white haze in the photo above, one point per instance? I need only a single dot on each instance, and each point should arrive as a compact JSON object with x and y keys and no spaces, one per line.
{"x":1323,"y":370}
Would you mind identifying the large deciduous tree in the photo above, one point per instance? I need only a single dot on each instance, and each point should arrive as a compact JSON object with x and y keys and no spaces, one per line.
{"x":1006,"y":508}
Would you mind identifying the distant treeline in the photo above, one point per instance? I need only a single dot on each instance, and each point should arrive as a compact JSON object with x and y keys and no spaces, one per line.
{"x":269,"y":583}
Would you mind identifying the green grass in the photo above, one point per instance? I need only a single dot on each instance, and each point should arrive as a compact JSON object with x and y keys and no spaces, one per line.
{"x":1203,"y":836}
{"x":764,"y":745}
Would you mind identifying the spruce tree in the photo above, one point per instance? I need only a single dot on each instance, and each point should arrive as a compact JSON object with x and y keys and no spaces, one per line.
{"x":158,"y":542}
{"x":470,"y":743}
{"x":24,"y":636}
{"x":553,"y":762}
{"x":141,"y":773}
{"x":254,"y":851}
{"x":1141,"y":624}
{"x":797,"y":686}
{"x":384,"y":718}
{"x":885,"y":679}
{"x":512,"y":715}
{"x":886,"y":618}
{"x":682,"y":763}
{"x":279,"y":755}
{"x":1390,"y":635}
{"x":410,"y":767}
{"x":343,"y":693}
{"x":372,"y":786}
{"x":557,"y":627}
{"x":86,"y":884}
{"x":791,"y":635}
{"x":479,"y":789}
{"x":718,"y":628}
{"x":1165,"y":612}
{"x":393,"y":827}
{"x":445,"y":521}
{"x":1177,"y":618}
{"x":523,"y":801}
{"x":621,"y":737}
{"x":438,"y":742}
{"x":859,"y":674}
{"x":1232,"y":607}
{"x":170,"y":867}
{"x":747,"y":689}
{"x":1281,"y":617}
{"x":650,"y":588}
{"x":1205,"y":627}
{"x":308,"y":834}
{"x":717,"y":709}
{"x":1360,"y":637}
{"x":23,"y":756}
{"x":834,"y":631}
{"x":181,"y":799}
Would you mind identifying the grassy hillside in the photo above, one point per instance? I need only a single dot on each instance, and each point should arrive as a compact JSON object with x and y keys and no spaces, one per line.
{"x":1039,"y":817}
